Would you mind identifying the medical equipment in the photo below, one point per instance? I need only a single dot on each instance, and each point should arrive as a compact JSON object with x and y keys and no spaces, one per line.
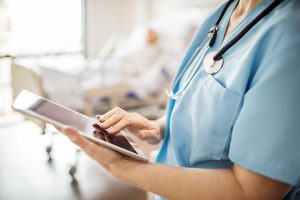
{"x":213,"y":61}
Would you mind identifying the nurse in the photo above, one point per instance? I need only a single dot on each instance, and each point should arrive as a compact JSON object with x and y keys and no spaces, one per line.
{"x":232,"y":127}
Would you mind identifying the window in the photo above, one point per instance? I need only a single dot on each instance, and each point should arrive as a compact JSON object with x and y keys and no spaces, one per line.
{"x":45,"y":26}
{"x":36,"y":27}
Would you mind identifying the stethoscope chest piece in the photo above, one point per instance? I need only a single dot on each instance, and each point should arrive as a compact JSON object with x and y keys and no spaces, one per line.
{"x":210,"y":65}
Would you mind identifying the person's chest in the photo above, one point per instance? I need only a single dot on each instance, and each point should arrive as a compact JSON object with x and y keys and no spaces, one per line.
{"x":204,"y":114}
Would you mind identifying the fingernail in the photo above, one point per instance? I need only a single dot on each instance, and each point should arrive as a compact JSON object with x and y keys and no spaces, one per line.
{"x":95,"y":126}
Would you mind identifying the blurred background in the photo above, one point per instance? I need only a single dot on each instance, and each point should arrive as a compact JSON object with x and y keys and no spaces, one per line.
{"x":90,"y":56}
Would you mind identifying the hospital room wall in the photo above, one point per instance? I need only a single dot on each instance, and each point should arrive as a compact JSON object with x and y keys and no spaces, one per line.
{"x":104,"y":17}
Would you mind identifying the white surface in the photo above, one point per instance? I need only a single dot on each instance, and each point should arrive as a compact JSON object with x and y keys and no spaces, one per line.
{"x":105,"y":17}
{"x":45,"y":26}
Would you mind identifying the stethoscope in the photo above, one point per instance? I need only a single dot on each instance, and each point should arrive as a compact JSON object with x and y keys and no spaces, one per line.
{"x":213,"y":61}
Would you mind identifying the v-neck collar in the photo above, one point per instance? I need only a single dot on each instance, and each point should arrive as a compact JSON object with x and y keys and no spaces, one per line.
{"x":224,"y":23}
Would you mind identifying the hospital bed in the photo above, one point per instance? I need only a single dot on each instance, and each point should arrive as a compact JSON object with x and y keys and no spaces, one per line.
{"x":27,"y":78}
{"x":30,"y":78}
{"x":96,"y":86}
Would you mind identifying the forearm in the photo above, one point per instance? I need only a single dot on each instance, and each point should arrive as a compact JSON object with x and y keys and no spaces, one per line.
{"x":180,"y":183}
{"x":183,"y":183}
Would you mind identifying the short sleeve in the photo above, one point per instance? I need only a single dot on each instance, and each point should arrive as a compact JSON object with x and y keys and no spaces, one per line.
{"x":266,"y":136}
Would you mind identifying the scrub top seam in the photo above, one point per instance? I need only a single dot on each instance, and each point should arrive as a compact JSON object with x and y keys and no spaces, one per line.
{"x":233,"y":120}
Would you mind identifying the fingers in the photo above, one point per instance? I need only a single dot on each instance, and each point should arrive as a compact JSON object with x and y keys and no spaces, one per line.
{"x":112,"y":120}
{"x":124,"y":120}
{"x":98,"y":116}
{"x":117,"y":119}
{"x":98,"y":135}
{"x":89,"y":147}
{"x":102,"y":155}
{"x":98,"y":128}
{"x":110,"y":113}
{"x":122,"y":124}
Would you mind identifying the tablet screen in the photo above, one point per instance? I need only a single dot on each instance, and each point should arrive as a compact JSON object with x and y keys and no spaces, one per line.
{"x":82,"y":123}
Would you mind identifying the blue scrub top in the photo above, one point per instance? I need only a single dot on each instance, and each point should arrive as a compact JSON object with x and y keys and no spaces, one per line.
{"x":248,"y":113}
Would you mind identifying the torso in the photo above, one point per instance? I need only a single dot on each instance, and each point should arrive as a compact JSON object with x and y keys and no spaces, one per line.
{"x":200,"y":122}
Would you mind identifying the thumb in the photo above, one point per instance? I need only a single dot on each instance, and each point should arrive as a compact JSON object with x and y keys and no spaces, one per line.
{"x":75,"y":137}
{"x":69,"y":132}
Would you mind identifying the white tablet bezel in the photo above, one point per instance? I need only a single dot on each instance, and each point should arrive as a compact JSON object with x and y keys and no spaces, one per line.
{"x":19,"y":106}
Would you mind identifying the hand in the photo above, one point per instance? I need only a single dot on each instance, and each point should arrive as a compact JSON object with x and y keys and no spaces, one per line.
{"x":118,"y":119}
{"x":104,"y":156}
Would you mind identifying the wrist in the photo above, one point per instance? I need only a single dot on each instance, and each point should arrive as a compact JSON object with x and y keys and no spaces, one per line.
{"x":123,"y":168}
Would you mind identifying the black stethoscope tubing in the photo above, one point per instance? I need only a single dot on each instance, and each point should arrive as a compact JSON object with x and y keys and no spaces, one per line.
{"x":215,"y":28}
{"x":217,"y":56}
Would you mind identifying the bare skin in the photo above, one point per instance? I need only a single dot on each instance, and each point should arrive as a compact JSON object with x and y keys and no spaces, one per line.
{"x":239,"y":14}
{"x":174,"y":182}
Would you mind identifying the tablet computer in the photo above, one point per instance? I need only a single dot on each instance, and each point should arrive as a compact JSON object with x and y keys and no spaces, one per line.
{"x":38,"y":107}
